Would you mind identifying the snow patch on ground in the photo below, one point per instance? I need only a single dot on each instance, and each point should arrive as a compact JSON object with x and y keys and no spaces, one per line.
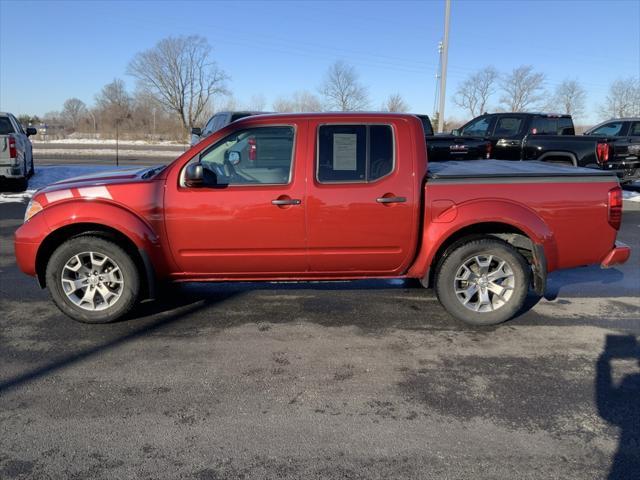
{"x":44,"y":152}
{"x":47,"y":175}
{"x":631,"y":196}
{"x":96,"y":141}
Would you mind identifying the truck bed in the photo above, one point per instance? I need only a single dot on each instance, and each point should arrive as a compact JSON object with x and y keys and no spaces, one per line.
{"x":490,"y":169}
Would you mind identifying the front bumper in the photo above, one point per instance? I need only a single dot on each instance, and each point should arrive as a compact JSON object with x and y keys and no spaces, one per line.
{"x":619,"y":254}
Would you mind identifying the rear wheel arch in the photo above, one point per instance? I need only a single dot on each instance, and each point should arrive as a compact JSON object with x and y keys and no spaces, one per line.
{"x":533,"y":252}
{"x":56,"y":238}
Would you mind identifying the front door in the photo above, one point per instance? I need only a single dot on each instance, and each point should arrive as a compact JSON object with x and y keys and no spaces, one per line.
{"x":361,"y":203}
{"x":249,"y":218}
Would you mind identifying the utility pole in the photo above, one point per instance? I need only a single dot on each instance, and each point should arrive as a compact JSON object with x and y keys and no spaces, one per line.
{"x":443,"y":66}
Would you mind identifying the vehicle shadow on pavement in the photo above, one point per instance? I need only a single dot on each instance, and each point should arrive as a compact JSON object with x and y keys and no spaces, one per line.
{"x":620,"y":404}
{"x":154,"y":316}
{"x":592,"y":277}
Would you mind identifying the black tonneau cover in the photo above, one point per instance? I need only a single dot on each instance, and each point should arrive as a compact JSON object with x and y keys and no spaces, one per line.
{"x":509,"y":169}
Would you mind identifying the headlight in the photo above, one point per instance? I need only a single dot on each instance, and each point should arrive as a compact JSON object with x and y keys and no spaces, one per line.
{"x":32,"y":208}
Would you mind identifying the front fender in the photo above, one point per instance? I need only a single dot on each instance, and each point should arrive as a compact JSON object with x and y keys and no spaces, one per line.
{"x":440,"y":226}
{"x":108,"y":214}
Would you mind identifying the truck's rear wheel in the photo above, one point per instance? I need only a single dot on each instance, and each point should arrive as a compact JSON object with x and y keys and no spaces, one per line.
{"x":92,"y":280}
{"x":483,"y":282}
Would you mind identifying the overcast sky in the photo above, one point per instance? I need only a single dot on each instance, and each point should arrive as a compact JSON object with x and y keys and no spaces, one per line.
{"x":50,"y":51}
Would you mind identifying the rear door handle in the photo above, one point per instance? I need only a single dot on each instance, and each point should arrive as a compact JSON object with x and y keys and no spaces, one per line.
{"x":286,"y":201}
{"x":391,"y":199}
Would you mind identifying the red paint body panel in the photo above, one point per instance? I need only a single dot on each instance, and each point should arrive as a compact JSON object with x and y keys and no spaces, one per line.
{"x":620,"y":254}
{"x":338,"y":231}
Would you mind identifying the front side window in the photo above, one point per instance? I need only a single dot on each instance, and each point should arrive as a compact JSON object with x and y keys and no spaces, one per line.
{"x":508,"y":126}
{"x":253,"y":156}
{"x":611,"y":129}
{"x":354,"y":153}
{"x":477,"y":128}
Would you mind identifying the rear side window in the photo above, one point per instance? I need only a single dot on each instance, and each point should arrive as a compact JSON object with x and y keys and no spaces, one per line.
{"x":635,"y":129}
{"x":5,"y":126}
{"x":354,"y":153}
{"x":508,"y":126}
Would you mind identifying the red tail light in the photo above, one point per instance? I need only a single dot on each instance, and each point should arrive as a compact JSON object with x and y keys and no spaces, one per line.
{"x":253,"y":149}
{"x":489,"y":149}
{"x":615,"y":207}
{"x":602,"y":152}
{"x":13,"y":153}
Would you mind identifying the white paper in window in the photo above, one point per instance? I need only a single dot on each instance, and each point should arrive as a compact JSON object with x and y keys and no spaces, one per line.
{"x":345,"y":151}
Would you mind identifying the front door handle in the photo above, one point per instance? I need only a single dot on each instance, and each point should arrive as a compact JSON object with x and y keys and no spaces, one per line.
{"x":286,"y":201}
{"x":391,"y":199}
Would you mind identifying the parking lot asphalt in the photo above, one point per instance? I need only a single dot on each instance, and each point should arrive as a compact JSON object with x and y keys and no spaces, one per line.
{"x":357,"y":380}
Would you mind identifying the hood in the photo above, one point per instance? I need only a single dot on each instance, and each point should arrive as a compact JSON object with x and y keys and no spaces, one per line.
{"x":117,"y":176}
{"x":100,"y":184}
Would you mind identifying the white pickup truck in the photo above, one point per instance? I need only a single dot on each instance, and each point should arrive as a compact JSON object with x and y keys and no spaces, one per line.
{"x":16,"y":153}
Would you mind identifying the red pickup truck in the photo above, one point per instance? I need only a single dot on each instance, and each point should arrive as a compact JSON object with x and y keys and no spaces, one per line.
{"x":320,"y":197}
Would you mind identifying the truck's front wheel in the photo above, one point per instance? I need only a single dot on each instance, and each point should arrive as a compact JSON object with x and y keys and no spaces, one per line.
{"x":483,"y":282}
{"x":92,"y":280}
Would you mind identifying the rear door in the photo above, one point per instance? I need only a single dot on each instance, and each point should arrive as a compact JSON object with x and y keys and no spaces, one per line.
{"x":361,"y":199}
{"x":506,"y":136}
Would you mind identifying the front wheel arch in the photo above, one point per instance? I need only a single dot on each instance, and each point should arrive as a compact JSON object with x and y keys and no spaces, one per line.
{"x":61,"y":235}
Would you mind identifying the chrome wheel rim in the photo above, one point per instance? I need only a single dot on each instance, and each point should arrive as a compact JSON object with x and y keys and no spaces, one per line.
{"x":92,"y":281}
{"x":484,"y":283}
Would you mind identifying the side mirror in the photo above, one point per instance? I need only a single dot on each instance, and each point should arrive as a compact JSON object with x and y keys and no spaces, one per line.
{"x":196,"y":131}
{"x":194,"y":175}
{"x":234,"y":157}
{"x":31,"y":131}
{"x":455,"y":132}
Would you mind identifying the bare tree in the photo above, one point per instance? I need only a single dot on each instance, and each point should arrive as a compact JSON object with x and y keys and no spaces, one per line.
{"x":342,"y":90}
{"x":569,"y":97}
{"x":257,"y":102}
{"x":623,"y":99}
{"x":300,"y":101}
{"x":73,"y":110}
{"x":395,"y":103}
{"x":114,"y":100}
{"x":180,"y":73}
{"x":522,"y":88}
{"x":474,"y":93}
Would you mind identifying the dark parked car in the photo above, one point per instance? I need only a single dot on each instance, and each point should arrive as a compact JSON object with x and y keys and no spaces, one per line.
{"x":624,"y":136}
{"x":451,"y":147}
{"x":216,"y":122}
{"x":544,"y":137}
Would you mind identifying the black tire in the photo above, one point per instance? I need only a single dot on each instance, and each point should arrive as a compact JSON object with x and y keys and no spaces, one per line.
{"x":130,"y":277}
{"x":32,"y":170}
{"x":519,"y":280}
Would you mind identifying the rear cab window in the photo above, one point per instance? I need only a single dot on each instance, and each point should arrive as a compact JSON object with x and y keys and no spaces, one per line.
{"x":354,"y":153}
{"x":6,"y":127}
